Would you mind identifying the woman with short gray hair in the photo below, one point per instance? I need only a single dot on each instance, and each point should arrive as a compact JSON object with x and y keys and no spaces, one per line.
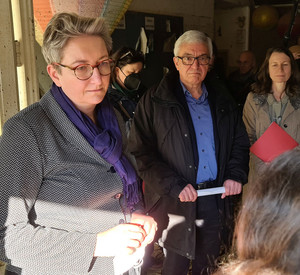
{"x":71,"y":199}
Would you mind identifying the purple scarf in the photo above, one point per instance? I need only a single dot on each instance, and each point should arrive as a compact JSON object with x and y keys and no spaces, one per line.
{"x":106,"y":141}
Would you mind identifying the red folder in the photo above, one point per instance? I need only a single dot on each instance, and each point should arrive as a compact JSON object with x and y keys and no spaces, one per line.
{"x":272,"y":143}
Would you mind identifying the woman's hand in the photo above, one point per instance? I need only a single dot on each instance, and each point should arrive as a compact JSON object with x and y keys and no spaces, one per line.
{"x":149,"y":225}
{"x":123,"y":238}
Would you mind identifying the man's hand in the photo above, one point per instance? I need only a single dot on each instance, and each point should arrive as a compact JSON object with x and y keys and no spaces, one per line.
{"x":231,"y":188}
{"x":188,"y":194}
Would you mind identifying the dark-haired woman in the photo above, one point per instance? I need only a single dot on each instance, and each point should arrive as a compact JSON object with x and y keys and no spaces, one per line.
{"x":275,"y":97}
{"x":126,"y":89}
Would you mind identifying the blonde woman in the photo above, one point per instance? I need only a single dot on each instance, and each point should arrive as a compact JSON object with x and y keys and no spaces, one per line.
{"x":70,"y":199}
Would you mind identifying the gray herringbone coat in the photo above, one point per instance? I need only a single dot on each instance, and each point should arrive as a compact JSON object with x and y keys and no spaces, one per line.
{"x":56,"y":194}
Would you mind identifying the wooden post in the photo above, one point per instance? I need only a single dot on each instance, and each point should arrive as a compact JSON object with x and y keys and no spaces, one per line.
{"x":9,"y":99}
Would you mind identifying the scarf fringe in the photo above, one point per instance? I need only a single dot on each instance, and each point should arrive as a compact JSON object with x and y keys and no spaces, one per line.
{"x":132,"y":194}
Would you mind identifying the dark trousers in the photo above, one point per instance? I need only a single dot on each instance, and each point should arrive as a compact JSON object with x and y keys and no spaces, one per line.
{"x":207,"y":243}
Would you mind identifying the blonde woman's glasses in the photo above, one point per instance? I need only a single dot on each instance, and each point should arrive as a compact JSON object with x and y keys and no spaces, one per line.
{"x":85,"y":71}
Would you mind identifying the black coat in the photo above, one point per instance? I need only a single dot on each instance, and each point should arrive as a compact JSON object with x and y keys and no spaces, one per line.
{"x":121,"y":101}
{"x":163,"y":141}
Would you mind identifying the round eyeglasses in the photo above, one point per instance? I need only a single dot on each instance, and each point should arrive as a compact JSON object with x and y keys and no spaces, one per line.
{"x":189,"y":60}
{"x":85,"y":71}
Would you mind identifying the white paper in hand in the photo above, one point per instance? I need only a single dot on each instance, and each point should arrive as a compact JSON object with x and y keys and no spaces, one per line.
{"x":123,"y":263}
{"x":211,"y":191}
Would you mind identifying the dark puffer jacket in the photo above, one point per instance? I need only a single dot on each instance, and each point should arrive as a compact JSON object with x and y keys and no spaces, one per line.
{"x":164,"y":143}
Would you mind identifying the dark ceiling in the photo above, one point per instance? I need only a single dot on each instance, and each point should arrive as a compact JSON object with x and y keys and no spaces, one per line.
{"x":273,"y":2}
{"x":223,"y":4}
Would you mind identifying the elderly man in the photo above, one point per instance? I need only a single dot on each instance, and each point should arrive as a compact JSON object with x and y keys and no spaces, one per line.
{"x":240,"y":80}
{"x":187,"y":135}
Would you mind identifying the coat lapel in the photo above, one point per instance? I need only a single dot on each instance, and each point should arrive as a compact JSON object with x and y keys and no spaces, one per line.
{"x":288,"y":110}
{"x":66,"y":128}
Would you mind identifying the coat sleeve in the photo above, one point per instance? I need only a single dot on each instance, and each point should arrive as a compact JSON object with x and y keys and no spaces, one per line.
{"x":143,"y":145}
{"x":24,"y":244}
{"x":249,"y":118}
{"x":252,"y":120}
{"x":237,"y":167}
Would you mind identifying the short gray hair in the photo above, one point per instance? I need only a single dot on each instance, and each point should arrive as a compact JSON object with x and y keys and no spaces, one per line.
{"x":64,"y":26}
{"x":193,"y":36}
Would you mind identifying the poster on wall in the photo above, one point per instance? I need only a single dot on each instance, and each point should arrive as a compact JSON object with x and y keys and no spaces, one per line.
{"x":149,"y":23}
{"x":232,"y":33}
{"x":240,"y":38}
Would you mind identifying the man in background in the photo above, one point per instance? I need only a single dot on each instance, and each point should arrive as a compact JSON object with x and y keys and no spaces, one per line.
{"x":240,"y":80}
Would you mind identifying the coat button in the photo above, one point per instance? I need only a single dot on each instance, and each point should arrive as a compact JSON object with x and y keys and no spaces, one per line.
{"x":285,"y":126}
{"x":112,"y":170}
{"x":189,"y":229}
{"x":190,"y":166}
{"x":185,"y":135}
{"x":188,"y":254}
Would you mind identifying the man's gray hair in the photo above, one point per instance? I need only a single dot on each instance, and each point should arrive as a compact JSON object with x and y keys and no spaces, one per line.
{"x":193,"y":36}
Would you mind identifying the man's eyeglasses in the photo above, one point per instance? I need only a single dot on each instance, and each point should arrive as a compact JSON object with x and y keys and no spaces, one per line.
{"x":189,"y":60}
{"x":85,"y":71}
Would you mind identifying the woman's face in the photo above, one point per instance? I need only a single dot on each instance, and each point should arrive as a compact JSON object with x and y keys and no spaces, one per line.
{"x":127,"y":70}
{"x":85,"y":94}
{"x":279,"y":67}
